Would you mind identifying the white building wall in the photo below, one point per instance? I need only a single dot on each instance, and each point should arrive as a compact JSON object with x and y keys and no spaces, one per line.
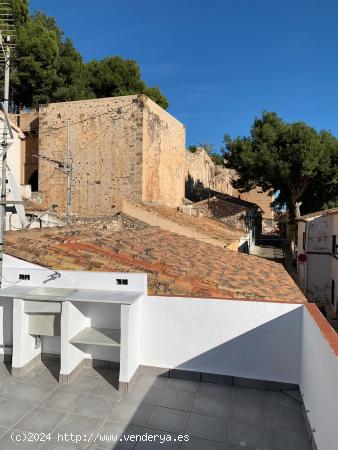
{"x":317,"y":274}
{"x":318,"y":384}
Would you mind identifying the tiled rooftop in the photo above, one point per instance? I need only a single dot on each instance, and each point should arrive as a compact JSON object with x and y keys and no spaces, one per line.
{"x":213,"y":416}
{"x":176,"y":265}
{"x":203,"y":225}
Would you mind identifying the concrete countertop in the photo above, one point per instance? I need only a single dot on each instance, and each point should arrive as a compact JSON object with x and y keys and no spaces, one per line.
{"x":56,"y":294}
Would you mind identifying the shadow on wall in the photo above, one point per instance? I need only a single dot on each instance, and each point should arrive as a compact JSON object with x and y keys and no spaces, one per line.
{"x":270,"y":352}
{"x":191,"y":188}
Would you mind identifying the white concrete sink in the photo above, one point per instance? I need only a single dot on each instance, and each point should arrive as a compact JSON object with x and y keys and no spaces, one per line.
{"x":48,"y":293}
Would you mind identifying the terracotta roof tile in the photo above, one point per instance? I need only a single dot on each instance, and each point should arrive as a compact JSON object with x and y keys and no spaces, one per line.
{"x":176,"y":265}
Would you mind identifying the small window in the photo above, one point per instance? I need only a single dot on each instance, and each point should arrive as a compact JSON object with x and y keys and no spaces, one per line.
{"x":304,"y":240}
{"x":332,"y":292}
{"x":122,"y":281}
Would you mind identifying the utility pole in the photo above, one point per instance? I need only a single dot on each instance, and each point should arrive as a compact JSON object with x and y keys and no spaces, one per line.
{"x":4,"y":145}
{"x":69,"y":175}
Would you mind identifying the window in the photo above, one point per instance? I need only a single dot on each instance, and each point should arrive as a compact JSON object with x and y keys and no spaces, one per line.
{"x":332,"y":292}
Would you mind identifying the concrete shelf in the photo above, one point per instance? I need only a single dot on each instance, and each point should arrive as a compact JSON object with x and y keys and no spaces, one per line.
{"x":98,"y":336}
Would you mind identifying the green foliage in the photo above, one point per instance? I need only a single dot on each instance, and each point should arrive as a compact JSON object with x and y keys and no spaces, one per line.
{"x":49,"y":68}
{"x":20,"y":11}
{"x":208,"y":148}
{"x":292,"y":159}
{"x":192,"y":148}
{"x":117,"y":76}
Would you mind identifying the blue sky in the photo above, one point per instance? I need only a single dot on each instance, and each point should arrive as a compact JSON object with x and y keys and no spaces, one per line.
{"x":219,"y":62}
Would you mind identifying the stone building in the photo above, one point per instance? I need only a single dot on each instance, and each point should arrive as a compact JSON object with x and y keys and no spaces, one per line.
{"x":120,"y":147}
{"x":202,"y":172}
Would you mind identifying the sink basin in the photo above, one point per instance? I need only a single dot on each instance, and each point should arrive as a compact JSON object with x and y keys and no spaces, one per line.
{"x":48,"y":293}
{"x":52,"y":291}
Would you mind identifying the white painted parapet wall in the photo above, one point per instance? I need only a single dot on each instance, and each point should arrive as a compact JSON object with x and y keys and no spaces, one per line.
{"x":240,"y":338}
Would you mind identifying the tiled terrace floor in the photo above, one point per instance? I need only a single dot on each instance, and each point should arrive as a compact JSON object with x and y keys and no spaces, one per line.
{"x":214,"y":416}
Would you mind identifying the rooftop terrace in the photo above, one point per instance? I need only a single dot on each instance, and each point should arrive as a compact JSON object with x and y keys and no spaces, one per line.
{"x":212,"y":416}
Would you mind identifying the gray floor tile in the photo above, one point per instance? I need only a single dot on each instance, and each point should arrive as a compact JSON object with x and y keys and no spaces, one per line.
{"x":214,"y":390}
{"x":249,"y":412}
{"x":90,"y":372}
{"x":40,"y":420}
{"x":207,"y":427}
{"x":8,"y":441}
{"x":161,"y":440}
{"x":5,"y":370}
{"x":2,"y":431}
{"x":287,"y":418}
{"x":107,"y":374}
{"x":290,"y":440}
{"x":12,"y":412}
{"x":239,"y":447}
{"x":151,"y":380}
{"x":212,"y":405}
{"x":131,"y":412}
{"x":82,"y":383}
{"x":171,"y":398}
{"x":106,"y":389}
{"x":143,"y":394}
{"x":248,"y":435}
{"x":201,"y":444}
{"x":8,"y":385}
{"x":44,"y":378}
{"x":80,"y":425}
{"x":95,"y":406}
{"x":182,"y":385}
{"x":282,"y":400}
{"x":166,"y":419}
{"x":29,"y":392}
{"x":249,"y":395}
{"x":62,"y":400}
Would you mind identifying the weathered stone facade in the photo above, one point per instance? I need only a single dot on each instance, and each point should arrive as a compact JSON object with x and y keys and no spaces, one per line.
{"x":201,"y":171}
{"x":121,"y":147}
{"x":260,"y":198}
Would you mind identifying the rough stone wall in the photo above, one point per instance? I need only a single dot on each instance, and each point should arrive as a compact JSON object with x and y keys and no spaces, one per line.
{"x":222,"y":181}
{"x":163,"y":156}
{"x":259,"y":197}
{"x":200,"y":171}
{"x":106,"y":137}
